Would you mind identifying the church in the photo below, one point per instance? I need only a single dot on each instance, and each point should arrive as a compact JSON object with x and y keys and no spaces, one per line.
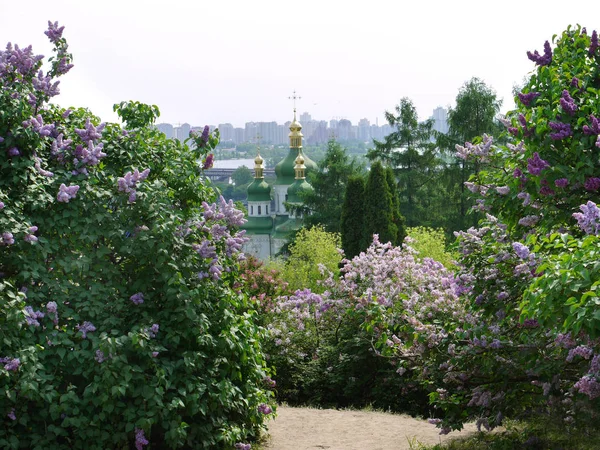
{"x":269,"y":223}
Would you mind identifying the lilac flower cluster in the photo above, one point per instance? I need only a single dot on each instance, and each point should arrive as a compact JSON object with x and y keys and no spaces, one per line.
{"x":32,"y":316}
{"x":66,"y":193}
{"x":593,"y":44}
{"x":58,"y":148}
{"x":140,"y":439}
{"x":29,"y":236}
{"x":10,"y":364}
{"x":100,"y":356}
{"x":541,"y":60}
{"x":529,"y":221}
{"x":208,"y":162}
{"x":589,"y":219}
{"x":128,"y":183}
{"x":592,"y":184}
{"x":90,"y":132}
{"x":11,"y":414}
{"x":137,"y":298}
{"x":204,"y":137}
{"x":523,"y":122}
{"x":594,"y":128}
{"x":264,"y":409}
{"x":7,"y":238}
{"x":90,"y":156}
{"x":503,"y":190}
{"x":521,"y":250}
{"x":153,"y":330}
{"x":37,"y":123}
{"x":567,"y":103}
{"x":561,"y":182}
{"x":563,"y":130}
{"x":545,"y":188}
{"x":54,"y":33}
{"x":480,"y":151}
{"x":85,"y":328}
{"x":18,"y":61}
{"x":38,"y":168}
{"x":242,"y":446}
{"x":589,"y":386}
{"x":528,"y":98}
{"x":43,"y":84}
{"x":536,"y":164}
{"x":581,"y":350}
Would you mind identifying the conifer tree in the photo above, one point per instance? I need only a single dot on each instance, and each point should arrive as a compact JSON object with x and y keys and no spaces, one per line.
{"x":353,"y":214}
{"x":397,"y":217}
{"x":379,"y":217}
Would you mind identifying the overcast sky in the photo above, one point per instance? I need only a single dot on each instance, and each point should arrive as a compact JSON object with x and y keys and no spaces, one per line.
{"x":238,"y":60}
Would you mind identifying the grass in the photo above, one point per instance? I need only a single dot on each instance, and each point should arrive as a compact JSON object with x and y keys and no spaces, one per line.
{"x":532,"y":435}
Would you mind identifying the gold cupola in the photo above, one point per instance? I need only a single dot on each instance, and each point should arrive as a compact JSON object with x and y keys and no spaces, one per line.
{"x":258,"y":166}
{"x":300,"y":168}
{"x":295,"y":133}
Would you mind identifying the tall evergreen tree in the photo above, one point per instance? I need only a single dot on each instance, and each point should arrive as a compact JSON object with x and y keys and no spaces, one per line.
{"x":379,"y":213}
{"x":410,"y":152}
{"x":353,"y":217}
{"x":397,"y":218}
{"x":475,"y":114}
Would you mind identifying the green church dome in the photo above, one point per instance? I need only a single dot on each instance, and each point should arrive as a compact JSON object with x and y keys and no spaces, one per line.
{"x":259,"y":191}
{"x":258,"y":225}
{"x":285,"y":168}
{"x":296,"y":189}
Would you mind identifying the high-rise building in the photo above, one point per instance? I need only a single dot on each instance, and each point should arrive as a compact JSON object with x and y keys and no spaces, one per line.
{"x":167,"y":129}
{"x":182,"y":132}
{"x":226,"y":132}
{"x":440,"y":120}
{"x":364,"y":130}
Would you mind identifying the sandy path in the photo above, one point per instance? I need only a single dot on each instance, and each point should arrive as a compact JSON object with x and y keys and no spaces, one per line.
{"x":306,"y":428}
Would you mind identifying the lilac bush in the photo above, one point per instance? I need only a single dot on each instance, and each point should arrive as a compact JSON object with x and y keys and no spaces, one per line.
{"x":112,"y":337}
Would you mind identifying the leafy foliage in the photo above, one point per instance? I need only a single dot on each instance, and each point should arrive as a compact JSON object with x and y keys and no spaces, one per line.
{"x":120,"y":320}
{"x":352,"y":221}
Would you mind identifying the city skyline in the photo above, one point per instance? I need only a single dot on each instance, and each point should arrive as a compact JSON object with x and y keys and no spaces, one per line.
{"x":239,"y":61}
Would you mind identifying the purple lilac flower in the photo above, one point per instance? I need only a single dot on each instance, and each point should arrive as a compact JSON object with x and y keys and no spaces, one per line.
{"x":14,"y":151}
{"x":517,"y":173}
{"x":593,"y":43}
{"x":242,"y":446}
{"x":54,"y":33}
{"x":496,"y":344}
{"x":140,"y":439}
{"x":525,"y":197}
{"x":11,"y":364}
{"x":44,"y":85}
{"x":541,"y":60}
{"x":100,"y":356}
{"x":563,"y":130}
{"x":66,"y":193}
{"x":154,"y":354}
{"x":90,"y":132}
{"x":52,"y":308}
{"x":11,"y":414}
{"x":592,"y":184}
{"x":589,"y":386}
{"x":530,"y":323}
{"x":86,"y":328}
{"x":204,"y":137}
{"x":63,"y":66}
{"x":595,"y":364}
{"x":526,"y":99}
{"x":521,"y":250}
{"x":128,"y":183}
{"x":1,"y":205}
{"x":208,"y":162}
{"x":589,"y":219}
{"x":581,"y":350}
{"x":32,"y":316}
{"x":7,"y":238}
{"x":137,"y":298}
{"x":38,"y":167}
{"x":529,"y":221}
{"x":567,"y":103}
{"x":545,"y":189}
{"x":561,"y":182}
{"x":594,"y":129}
{"x":269,"y":382}
{"x":536,"y":164}
{"x":575,"y":82}
{"x":264,"y":409}
{"x":503,"y":190}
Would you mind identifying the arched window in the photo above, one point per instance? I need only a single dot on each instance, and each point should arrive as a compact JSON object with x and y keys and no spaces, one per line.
{"x":267,"y":210}
{"x":259,"y":210}
{"x":251,"y":210}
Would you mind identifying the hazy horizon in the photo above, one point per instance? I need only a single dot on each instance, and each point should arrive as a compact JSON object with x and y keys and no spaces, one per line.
{"x":237,"y":62}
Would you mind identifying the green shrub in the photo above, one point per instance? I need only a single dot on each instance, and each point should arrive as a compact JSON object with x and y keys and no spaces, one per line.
{"x":119,"y":321}
{"x":431,"y":243}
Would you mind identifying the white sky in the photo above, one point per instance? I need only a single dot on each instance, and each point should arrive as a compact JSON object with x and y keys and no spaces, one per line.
{"x":239,"y":60}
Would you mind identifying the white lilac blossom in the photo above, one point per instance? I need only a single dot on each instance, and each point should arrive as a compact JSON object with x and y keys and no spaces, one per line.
{"x":66,"y":193}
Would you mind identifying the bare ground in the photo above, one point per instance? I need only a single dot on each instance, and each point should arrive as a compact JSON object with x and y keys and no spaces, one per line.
{"x":309,"y":429}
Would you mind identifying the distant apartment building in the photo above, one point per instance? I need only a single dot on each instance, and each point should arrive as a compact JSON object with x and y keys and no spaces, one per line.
{"x":167,"y":129}
{"x":226,"y":131}
{"x":440,"y":120}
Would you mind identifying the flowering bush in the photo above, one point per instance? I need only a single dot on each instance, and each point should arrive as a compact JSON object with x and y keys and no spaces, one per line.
{"x":119,"y":320}
{"x":530,"y":272}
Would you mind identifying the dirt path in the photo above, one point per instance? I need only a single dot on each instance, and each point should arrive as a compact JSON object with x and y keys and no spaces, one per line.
{"x":309,"y":429}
